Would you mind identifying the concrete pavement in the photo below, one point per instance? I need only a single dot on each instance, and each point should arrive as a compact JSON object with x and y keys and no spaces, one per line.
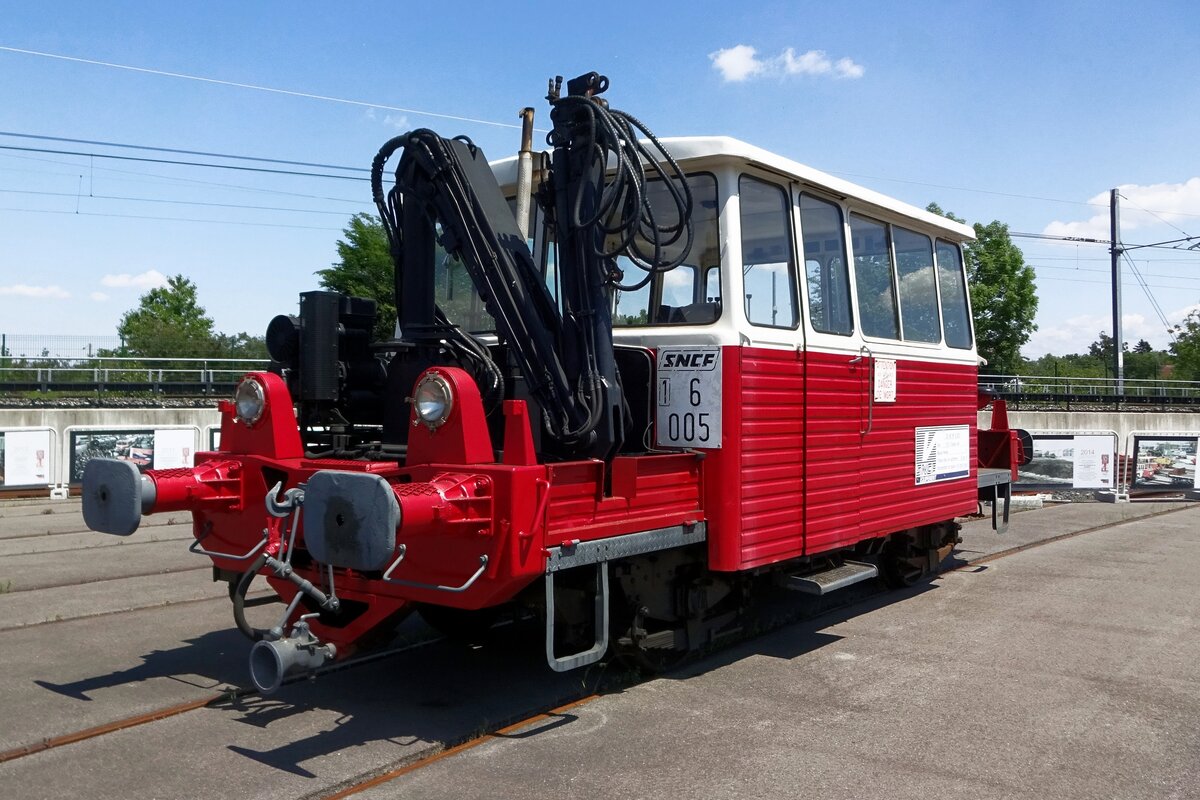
{"x":1064,"y":671}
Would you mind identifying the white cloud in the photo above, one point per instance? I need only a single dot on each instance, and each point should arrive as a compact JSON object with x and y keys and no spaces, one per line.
{"x":24,"y":290}
{"x":150,"y":279}
{"x":1073,"y":335}
{"x":741,"y":62}
{"x":397,"y":121}
{"x":99,"y":297}
{"x":1177,"y":203}
{"x":736,"y":63}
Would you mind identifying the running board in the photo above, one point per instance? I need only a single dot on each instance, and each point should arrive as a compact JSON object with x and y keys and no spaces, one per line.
{"x":831,"y":580}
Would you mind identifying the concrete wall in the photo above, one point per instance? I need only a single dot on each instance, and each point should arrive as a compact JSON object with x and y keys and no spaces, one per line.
{"x":1124,"y":423}
{"x":61,"y":422}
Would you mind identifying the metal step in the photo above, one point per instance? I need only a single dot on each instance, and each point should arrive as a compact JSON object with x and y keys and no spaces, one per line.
{"x":850,"y":572}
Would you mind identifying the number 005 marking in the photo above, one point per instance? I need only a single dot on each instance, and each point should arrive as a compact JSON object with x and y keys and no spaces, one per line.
{"x":689,"y":397}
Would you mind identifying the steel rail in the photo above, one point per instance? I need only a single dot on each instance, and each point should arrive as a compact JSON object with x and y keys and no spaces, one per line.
{"x":177,"y":709}
{"x":1021,"y":548}
{"x":460,"y":747}
{"x":223,"y":596}
{"x":52,"y":742}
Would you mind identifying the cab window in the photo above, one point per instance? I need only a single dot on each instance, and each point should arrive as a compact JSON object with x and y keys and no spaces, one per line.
{"x":956,"y":322}
{"x":873,"y":278}
{"x":825,"y":266}
{"x":918,"y":286}
{"x":768,"y":267}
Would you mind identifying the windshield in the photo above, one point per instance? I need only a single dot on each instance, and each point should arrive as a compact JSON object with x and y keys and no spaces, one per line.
{"x":690,"y":294}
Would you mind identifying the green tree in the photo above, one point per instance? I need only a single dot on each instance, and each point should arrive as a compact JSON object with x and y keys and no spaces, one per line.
{"x":239,"y":345}
{"x":364,"y":269}
{"x":1003,"y":294}
{"x":169,"y":321}
{"x":1143,"y":347}
{"x":1186,"y":348}
{"x":1102,"y":348}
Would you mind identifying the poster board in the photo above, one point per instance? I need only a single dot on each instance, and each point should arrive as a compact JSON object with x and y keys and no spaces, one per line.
{"x":1164,"y":463}
{"x":943,"y":453}
{"x":174,"y":448}
{"x":1070,"y":461}
{"x":163,"y":448}
{"x":25,"y":458}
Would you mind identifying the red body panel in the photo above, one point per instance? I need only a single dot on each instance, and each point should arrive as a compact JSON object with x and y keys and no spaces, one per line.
{"x":809,"y":464}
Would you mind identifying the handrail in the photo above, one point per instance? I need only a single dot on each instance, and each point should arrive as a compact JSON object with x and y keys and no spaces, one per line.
{"x":196,"y":548}
{"x":402,"y":549}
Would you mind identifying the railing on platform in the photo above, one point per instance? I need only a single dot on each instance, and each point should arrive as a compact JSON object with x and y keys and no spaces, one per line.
{"x":116,"y":374}
{"x":1056,"y":389}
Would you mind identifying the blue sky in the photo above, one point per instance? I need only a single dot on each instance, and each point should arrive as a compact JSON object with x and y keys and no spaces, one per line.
{"x":1021,"y":112}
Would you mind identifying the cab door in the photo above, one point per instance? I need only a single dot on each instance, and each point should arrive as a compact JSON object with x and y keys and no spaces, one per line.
{"x":838,"y":377}
{"x":770,"y":386}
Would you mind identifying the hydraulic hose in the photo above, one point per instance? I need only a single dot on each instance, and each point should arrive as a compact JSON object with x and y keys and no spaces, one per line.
{"x":237,"y":593}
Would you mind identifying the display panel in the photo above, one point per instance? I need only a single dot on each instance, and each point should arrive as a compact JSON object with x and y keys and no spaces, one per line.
{"x":1063,"y":461}
{"x":1164,"y":463}
{"x":165,"y":448}
{"x":24,"y":458}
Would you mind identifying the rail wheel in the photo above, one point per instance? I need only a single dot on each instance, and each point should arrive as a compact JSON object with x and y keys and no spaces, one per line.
{"x":910,"y":557}
{"x":649,"y":644}
{"x":901,"y":565}
{"x":666,"y":608}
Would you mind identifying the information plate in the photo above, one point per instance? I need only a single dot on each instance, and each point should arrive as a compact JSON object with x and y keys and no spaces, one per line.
{"x":885,"y":380}
{"x":689,"y":397}
{"x":943,"y":453}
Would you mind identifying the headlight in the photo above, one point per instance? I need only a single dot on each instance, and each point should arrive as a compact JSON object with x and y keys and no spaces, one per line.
{"x":249,"y":402}
{"x":433,"y":400}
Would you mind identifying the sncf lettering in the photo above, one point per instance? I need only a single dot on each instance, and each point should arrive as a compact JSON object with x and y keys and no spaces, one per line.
{"x":690,"y":360}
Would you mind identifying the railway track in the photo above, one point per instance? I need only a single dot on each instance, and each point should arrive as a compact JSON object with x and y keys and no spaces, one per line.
{"x":176,"y":709}
{"x":451,"y":746}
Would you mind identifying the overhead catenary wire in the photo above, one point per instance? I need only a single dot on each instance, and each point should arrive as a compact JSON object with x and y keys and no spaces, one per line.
{"x":177,"y":151}
{"x":1150,"y":296}
{"x":167,"y":219}
{"x":148,"y":160}
{"x":1170,"y":244}
{"x":256,"y":87}
{"x":124,"y":198}
{"x":1156,"y":216}
{"x":1105,"y":271}
{"x":157,"y":178}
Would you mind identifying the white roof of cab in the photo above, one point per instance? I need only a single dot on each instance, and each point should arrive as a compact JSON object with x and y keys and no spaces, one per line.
{"x":689,"y":150}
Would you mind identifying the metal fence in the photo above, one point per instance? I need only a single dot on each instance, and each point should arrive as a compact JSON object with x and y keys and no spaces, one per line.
{"x":161,"y":375}
{"x":1053,"y":388}
{"x":20,"y":345}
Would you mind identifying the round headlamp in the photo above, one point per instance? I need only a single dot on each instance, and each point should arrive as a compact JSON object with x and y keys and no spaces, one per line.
{"x":433,"y":400}
{"x":249,"y":401}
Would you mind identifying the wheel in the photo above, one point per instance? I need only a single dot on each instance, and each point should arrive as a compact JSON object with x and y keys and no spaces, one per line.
{"x":650,"y":645}
{"x":902,"y":565}
{"x":464,"y":626}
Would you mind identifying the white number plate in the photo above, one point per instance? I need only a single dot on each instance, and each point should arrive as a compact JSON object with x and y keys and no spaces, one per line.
{"x":689,"y":397}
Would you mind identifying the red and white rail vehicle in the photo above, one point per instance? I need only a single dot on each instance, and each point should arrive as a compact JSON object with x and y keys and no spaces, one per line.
{"x":698,"y":367}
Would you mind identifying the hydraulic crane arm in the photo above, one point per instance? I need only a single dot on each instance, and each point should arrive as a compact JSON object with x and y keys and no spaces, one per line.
{"x":445,"y":193}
